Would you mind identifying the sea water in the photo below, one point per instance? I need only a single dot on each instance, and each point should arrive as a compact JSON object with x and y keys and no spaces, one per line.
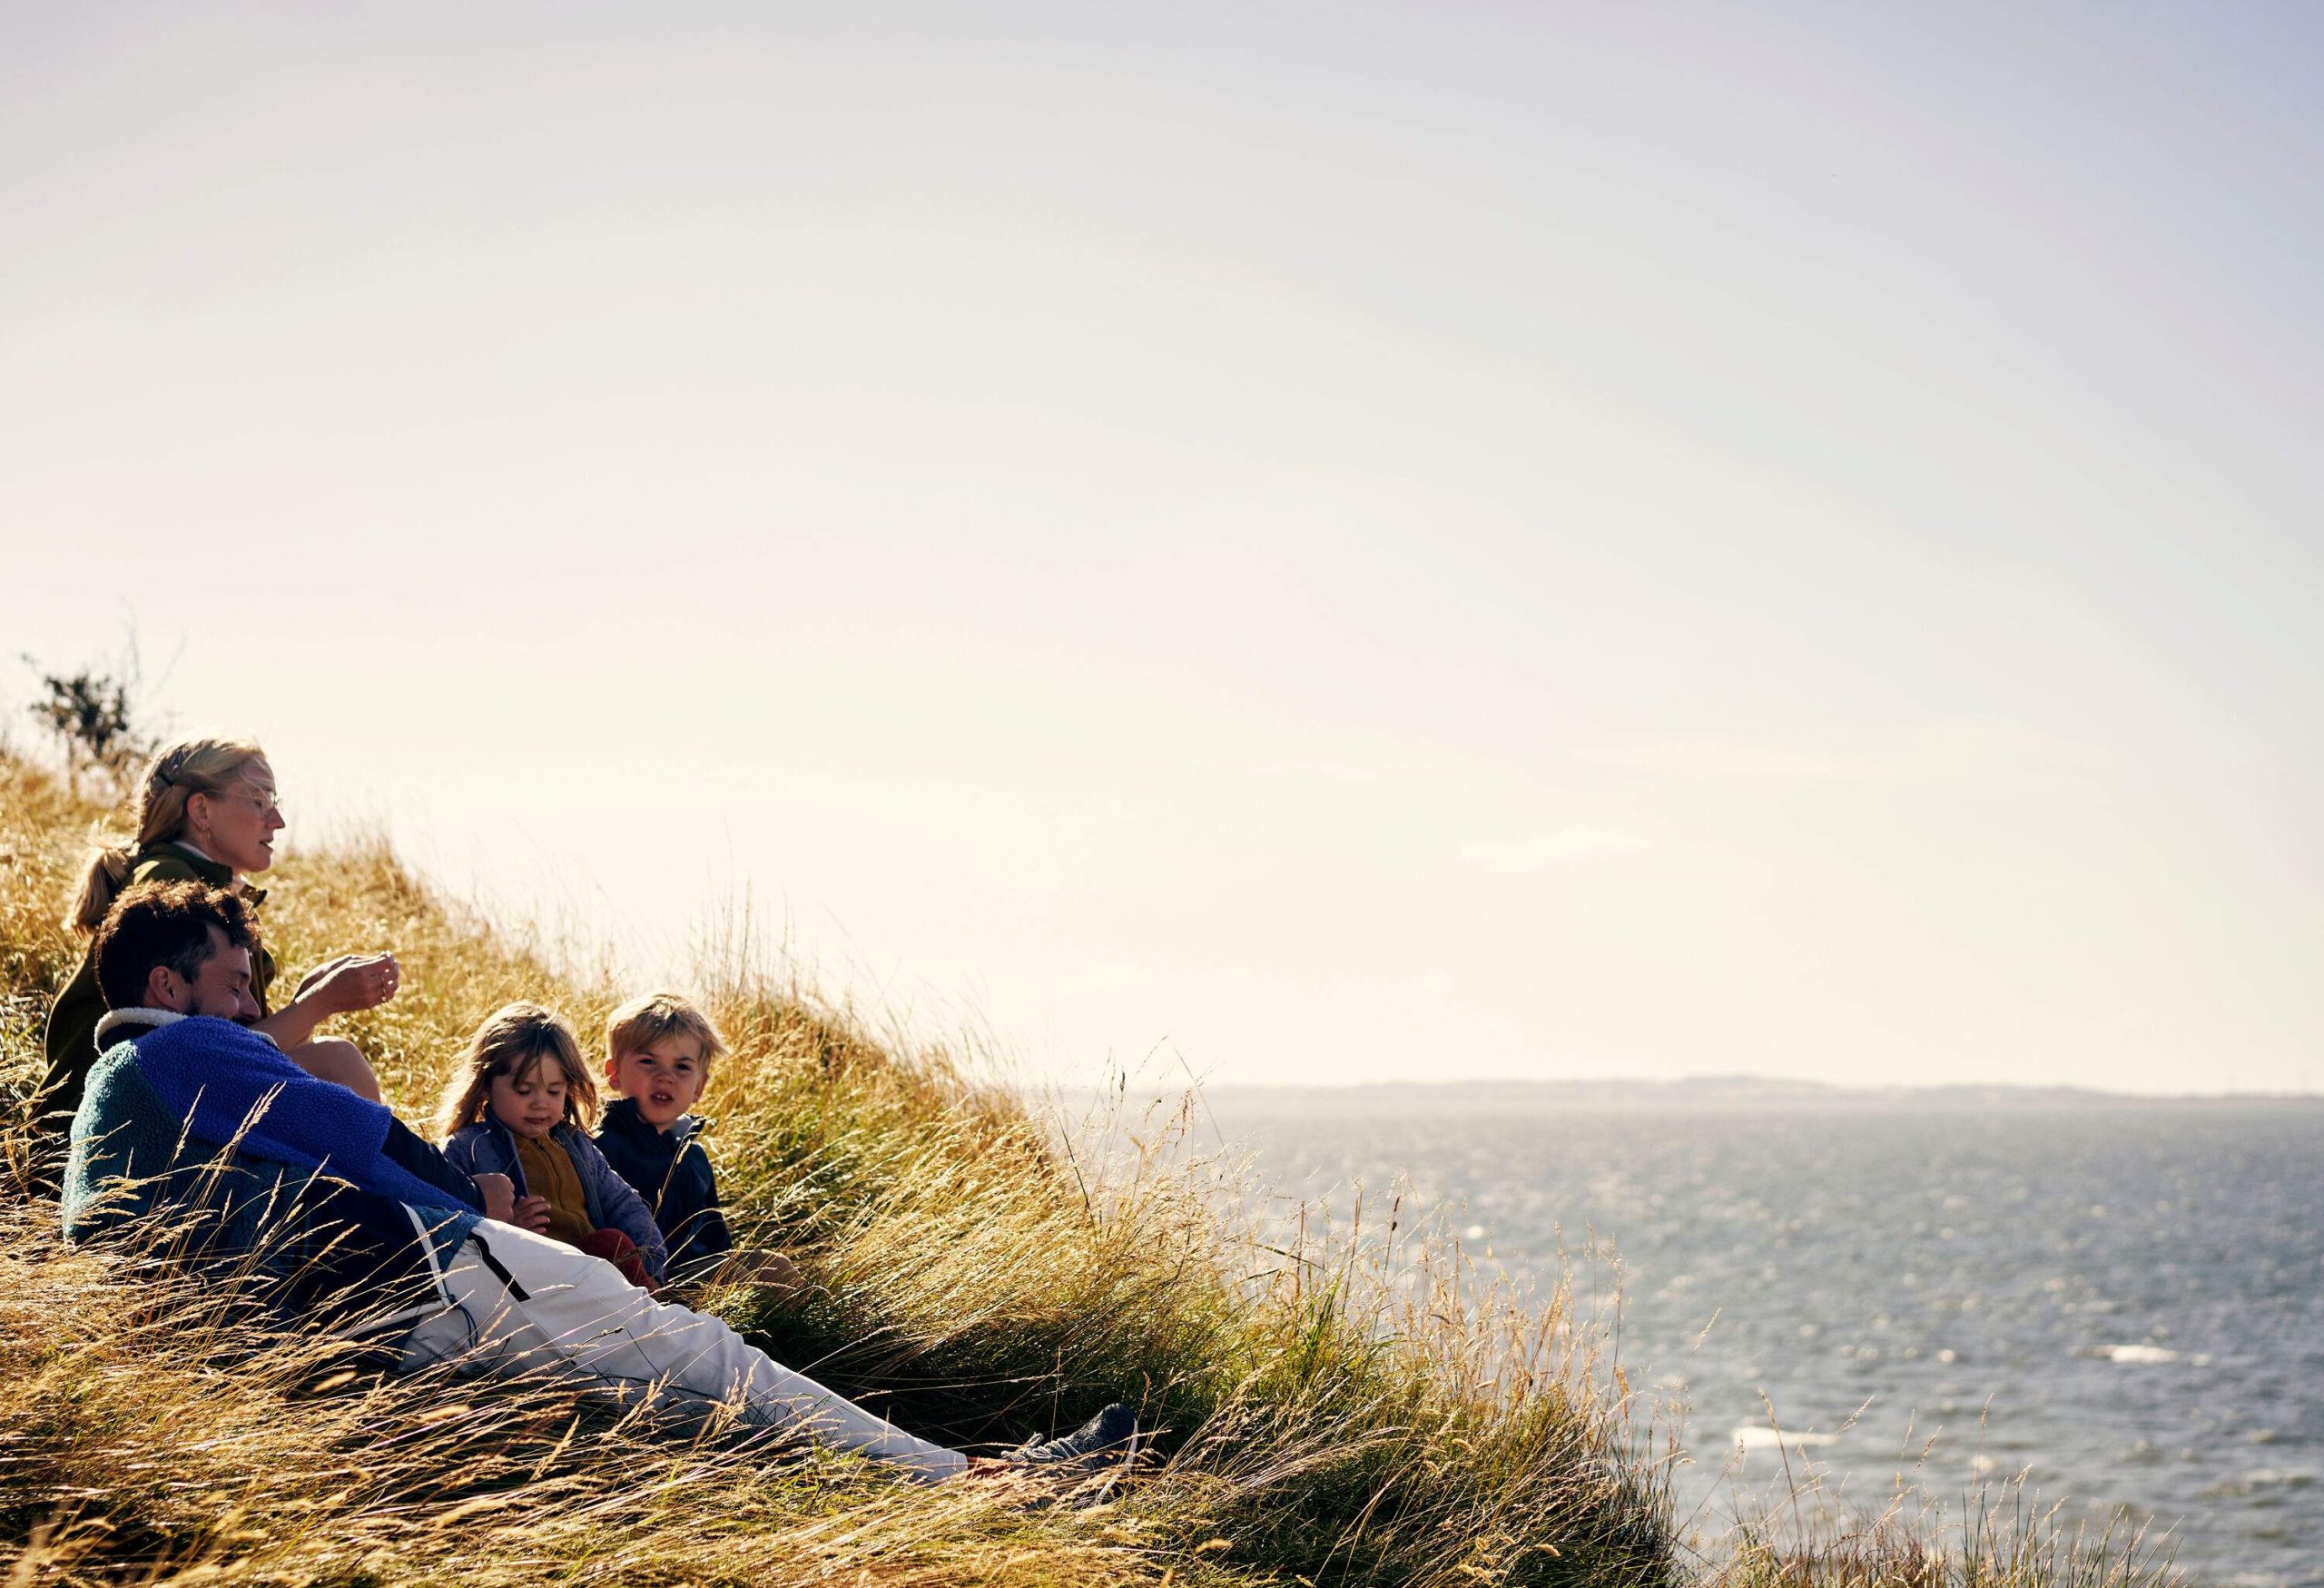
{"x":2124,"y":1303}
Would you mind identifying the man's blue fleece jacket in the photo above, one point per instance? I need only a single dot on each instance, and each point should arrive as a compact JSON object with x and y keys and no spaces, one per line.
{"x":328,"y":1189}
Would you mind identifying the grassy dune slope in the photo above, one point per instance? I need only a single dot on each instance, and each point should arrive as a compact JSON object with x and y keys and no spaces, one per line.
{"x":1321,"y":1423}
{"x":1329,"y":1416}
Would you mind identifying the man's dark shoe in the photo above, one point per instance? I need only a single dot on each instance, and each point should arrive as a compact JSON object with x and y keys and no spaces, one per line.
{"x":1106,"y":1440}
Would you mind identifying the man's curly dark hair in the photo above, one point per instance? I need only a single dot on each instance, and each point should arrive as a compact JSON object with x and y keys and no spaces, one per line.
{"x":166,"y":924}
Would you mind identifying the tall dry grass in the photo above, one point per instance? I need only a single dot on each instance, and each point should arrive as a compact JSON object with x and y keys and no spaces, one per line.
{"x":1343,"y":1412}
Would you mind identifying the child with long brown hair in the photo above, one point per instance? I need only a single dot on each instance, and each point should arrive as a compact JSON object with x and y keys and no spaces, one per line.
{"x":518,"y":1104}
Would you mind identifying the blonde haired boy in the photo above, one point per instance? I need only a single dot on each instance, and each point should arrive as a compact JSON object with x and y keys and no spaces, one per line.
{"x":658,"y":1052}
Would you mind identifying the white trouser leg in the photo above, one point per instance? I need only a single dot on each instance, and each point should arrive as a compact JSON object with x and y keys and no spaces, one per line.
{"x":522,"y":1303}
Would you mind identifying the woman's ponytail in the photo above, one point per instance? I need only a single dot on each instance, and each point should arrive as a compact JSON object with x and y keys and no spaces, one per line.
{"x":108,"y":873}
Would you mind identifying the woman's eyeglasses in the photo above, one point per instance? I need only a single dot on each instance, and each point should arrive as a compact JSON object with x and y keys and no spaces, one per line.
{"x":265,"y":803}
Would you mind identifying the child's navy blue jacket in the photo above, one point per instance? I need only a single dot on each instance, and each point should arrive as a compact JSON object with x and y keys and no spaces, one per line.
{"x":673,"y":1173}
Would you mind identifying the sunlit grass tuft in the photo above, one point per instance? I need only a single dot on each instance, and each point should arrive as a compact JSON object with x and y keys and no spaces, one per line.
{"x":1999,"y":1537}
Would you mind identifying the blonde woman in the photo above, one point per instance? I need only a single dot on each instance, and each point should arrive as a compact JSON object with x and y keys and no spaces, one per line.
{"x":207,"y":812}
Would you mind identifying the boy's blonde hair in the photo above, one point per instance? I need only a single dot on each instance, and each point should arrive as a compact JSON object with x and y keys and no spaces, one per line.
{"x":513,"y":1040}
{"x":645,"y":1021}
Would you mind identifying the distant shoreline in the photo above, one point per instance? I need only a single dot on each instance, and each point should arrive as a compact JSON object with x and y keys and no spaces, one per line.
{"x":1710,"y":1093}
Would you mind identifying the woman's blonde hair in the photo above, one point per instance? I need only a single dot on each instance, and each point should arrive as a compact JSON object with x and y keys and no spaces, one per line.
{"x":176,"y":773}
{"x":513,"y":1040}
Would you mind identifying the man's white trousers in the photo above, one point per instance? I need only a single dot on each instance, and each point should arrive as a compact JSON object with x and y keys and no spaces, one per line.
{"x":518,"y":1303}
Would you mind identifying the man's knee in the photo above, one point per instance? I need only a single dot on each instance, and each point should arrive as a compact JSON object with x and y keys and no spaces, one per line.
{"x":333,"y":1060}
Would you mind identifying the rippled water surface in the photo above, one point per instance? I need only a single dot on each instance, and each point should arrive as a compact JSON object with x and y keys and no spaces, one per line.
{"x":2126,"y":1302}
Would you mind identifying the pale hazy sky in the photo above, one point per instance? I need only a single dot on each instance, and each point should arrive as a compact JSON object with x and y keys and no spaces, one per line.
{"x":1341,"y":542}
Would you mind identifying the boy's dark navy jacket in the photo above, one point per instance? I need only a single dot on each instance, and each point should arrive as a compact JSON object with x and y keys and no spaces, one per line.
{"x":670,"y":1169}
